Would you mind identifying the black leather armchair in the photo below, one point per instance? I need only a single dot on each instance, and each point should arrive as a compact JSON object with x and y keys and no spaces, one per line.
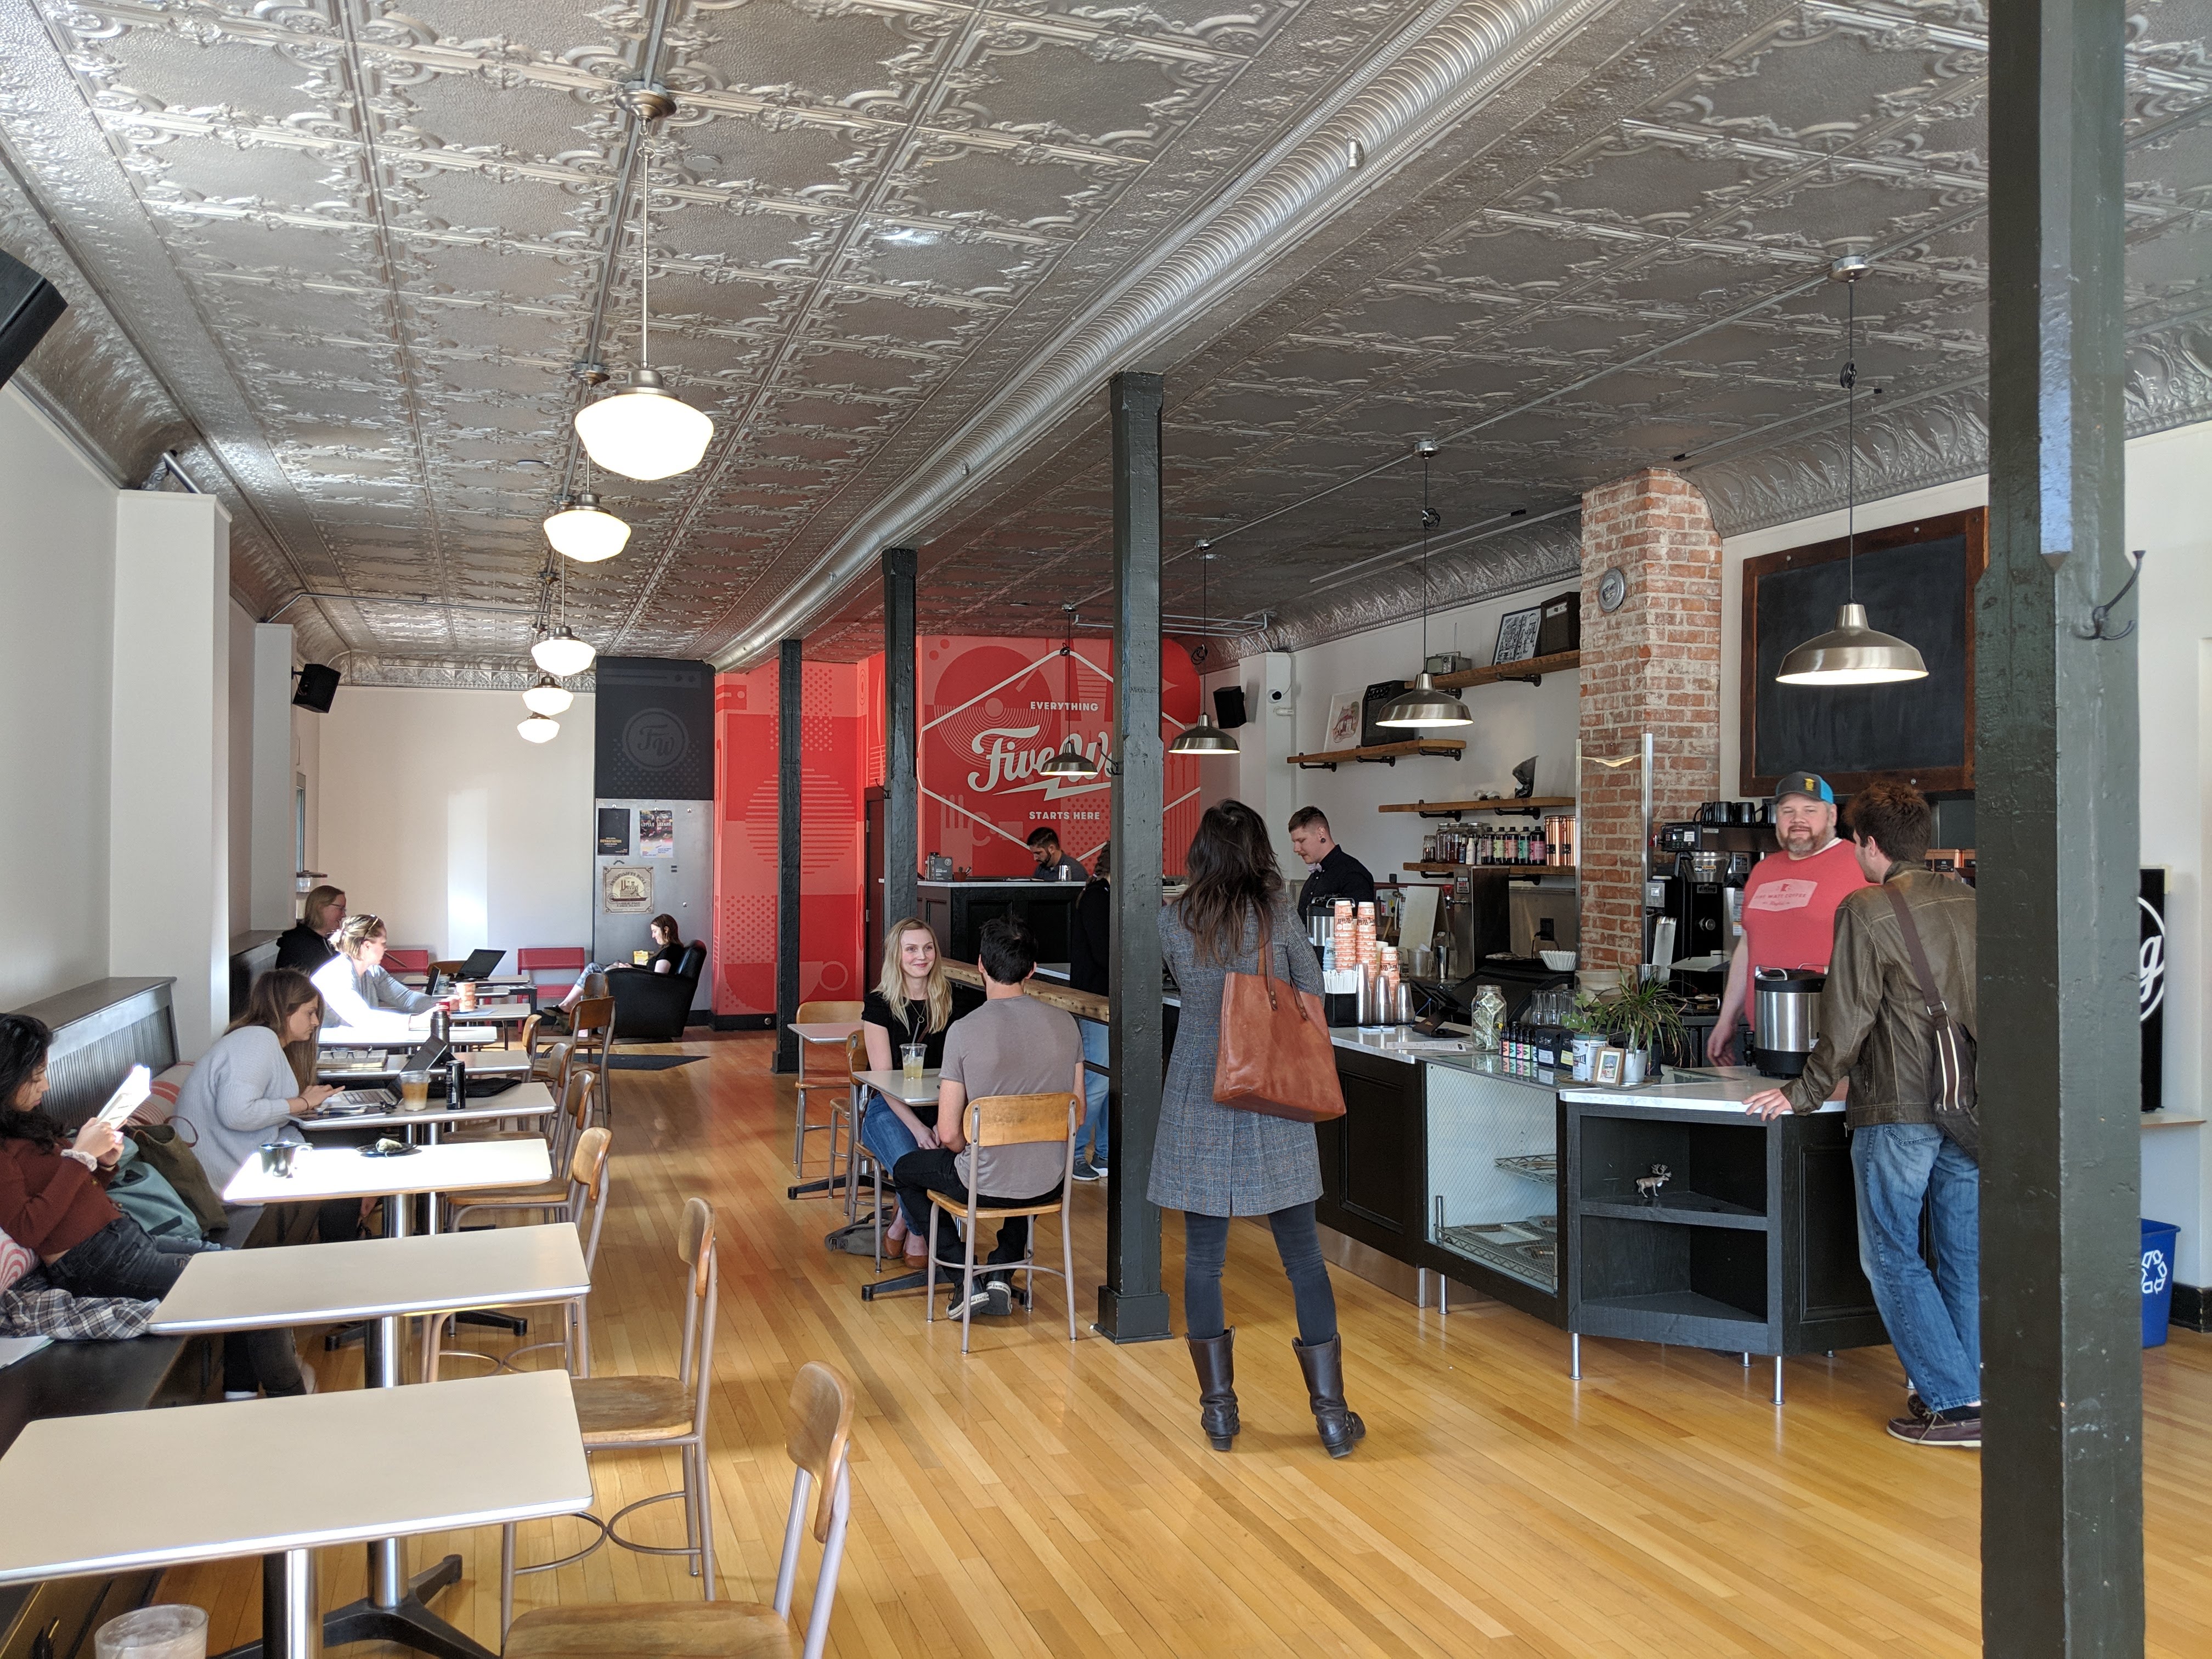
{"x":652,"y":1007}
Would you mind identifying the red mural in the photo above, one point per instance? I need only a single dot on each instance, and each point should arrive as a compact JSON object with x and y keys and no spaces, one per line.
{"x":990,"y":713}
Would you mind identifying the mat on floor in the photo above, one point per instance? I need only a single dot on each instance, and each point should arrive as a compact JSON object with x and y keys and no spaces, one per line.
{"x":650,"y":1063}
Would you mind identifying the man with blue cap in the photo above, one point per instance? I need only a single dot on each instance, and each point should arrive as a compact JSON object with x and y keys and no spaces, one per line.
{"x":1789,"y":903}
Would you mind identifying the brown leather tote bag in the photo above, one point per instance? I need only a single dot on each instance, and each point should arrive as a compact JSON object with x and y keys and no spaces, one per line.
{"x":1275,"y":1057}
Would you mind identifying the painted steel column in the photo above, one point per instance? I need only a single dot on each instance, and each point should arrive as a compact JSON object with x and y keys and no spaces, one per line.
{"x":1132,"y":1307}
{"x":2056,"y":762}
{"x":789,"y":676}
{"x":901,"y":802}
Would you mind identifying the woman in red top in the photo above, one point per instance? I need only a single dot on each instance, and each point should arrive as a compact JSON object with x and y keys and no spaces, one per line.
{"x":54,"y":1202}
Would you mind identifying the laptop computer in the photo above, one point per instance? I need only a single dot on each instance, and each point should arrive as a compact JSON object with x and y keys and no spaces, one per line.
{"x":482,"y":963}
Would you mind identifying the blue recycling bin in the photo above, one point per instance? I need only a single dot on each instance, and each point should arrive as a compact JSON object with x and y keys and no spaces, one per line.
{"x":2158,"y":1240}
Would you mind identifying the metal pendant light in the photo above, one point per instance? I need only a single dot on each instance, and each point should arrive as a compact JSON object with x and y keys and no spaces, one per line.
{"x":561,"y":653}
{"x":1423,"y":705}
{"x":540,"y":729}
{"x":1070,"y":762}
{"x":645,"y":431}
{"x":1205,"y":737}
{"x":548,"y":696}
{"x":1853,"y":652}
{"x":582,"y":531}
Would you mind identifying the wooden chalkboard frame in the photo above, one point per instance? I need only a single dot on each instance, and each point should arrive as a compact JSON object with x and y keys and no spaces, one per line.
{"x":1972,"y":526}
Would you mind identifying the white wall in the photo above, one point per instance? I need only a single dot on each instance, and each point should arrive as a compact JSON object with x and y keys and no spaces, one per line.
{"x":432,"y":813}
{"x":240,"y":793}
{"x":57,"y":604}
{"x":2167,"y":516}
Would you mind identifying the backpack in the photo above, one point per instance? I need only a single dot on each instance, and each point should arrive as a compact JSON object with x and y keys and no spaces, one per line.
{"x":139,"y":1190}
{"x":1954,"y":1052}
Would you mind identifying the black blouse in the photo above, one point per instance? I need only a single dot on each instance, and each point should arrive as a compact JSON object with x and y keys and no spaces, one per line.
{"x":876,"y":1010}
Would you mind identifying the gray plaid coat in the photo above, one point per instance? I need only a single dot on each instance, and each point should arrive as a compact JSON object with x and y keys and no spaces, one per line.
{"x":1211,"y":1159}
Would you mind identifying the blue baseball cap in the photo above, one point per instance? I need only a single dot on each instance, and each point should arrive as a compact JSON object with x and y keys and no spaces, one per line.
{"x":1811,"y":785}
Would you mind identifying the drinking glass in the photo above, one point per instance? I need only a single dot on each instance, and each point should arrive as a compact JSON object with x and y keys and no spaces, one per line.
{"x":910,"y":1060}
{"x":164,"y":1630}
{"x":414,"y":1091}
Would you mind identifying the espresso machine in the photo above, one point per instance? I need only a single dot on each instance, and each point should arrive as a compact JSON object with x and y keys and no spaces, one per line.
{"x":1699,"y":869}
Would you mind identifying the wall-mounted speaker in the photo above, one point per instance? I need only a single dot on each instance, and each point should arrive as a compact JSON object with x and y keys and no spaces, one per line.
{"x":29,"y":306}
{"x":317,"y":685}
{"x":1229,"y":706}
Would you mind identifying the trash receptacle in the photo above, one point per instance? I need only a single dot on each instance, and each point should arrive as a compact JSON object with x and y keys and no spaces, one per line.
{"x":2158,"y":1237}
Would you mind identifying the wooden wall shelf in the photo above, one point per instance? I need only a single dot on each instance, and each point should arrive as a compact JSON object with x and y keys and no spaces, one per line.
{"x":1444,"y":809}
{"x":1382,"y":754}
{"x":1532,"y":671}
{"x":1531,"y":870}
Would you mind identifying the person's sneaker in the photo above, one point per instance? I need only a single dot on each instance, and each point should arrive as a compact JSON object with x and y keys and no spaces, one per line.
{"x":1086,"y":1170}
{"x":1941,"y":1429}
{"x":241,"y":1394}
{"x":1099,"y":1165}
{"x":999,"y":1299}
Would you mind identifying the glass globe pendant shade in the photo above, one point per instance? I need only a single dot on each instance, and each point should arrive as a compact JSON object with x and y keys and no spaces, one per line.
{"x":1421,"y":706}
{"x":585,"y":532}
{"x":540,"y":729}
{"x":1203,"y":739}
{"x":1070,"y":762}
{"x":561,"y":653}
{"x":645,"y":431}
{"x":548,"y":697}
{"x":1851,"y":653}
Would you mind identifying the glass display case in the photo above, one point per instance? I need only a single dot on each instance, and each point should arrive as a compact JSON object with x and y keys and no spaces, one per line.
{"x":1494,"y":1171}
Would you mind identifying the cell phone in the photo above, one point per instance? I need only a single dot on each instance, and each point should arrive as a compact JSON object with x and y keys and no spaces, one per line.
{"x":128,"y":1097}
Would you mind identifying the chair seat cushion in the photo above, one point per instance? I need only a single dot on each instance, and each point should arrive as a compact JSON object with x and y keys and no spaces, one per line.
{"x":651,"y":1629}
{"x":550,"y":1192}
{"x":986,"y":1211}
{"x":611,"y":1409}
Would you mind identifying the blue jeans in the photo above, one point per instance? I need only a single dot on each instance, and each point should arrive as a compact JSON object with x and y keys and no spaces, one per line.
{"x":888,"y":1140}
{"x":1096,"y":1049}
{"x":1934,"y":1320}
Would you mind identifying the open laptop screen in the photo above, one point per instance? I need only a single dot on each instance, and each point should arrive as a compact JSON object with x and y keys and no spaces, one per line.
{"x":481,"y":963}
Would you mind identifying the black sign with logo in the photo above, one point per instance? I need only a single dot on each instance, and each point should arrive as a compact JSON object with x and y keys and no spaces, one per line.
{"x":654,"y":724}
{"x":2150,"y":987}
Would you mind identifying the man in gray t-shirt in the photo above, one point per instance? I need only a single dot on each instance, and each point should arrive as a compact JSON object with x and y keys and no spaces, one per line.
{"x":1012,"y":1045}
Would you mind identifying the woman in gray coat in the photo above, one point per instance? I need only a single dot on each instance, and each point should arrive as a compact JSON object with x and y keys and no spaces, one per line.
{"x":1213,"y":1162}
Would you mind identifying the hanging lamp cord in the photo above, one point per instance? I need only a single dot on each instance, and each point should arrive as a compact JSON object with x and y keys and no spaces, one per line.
{"x":1425,"y":517}
{"x":1850,"y":380}
{"x":644,"y":252}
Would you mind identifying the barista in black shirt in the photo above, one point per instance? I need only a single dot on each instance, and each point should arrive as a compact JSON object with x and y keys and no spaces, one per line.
{"x":1331,"y":873}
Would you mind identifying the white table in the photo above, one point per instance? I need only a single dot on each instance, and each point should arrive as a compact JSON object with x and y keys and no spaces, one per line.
{"x":496,"y":1012}
{"x":907,"y":1091}
{"x":498,"y":1063}
{"x":320,"y":1172}
{"x":525,"y":1100}
{"x":358,"y":1036}
{"x":284,"y":1478}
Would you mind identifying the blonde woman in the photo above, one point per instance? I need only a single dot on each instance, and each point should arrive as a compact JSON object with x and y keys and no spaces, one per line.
{"x":306,"y":944}
{"x":358,"y":994}
{"x":913,"y":1002}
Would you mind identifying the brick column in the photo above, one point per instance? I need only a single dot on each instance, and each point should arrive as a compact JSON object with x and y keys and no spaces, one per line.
{"x":1654,"y":664}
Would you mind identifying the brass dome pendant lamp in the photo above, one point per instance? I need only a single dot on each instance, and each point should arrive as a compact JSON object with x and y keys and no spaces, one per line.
{"x":1205,"y":737}
{"x":1423,"y":705}
{"x":1853,"y":652}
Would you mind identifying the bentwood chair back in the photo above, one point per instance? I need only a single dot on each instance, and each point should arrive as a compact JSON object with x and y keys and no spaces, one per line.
{"x":631,"y":1412}
{"x":1012,"y":1121}
{"x":592,"y":1022}
{"x":819,"y":1445}
{"x":856,"y":1107}
{"x":818,"y":1082}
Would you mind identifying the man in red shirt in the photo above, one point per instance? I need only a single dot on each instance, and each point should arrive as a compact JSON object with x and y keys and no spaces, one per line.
{"x":1789,"y":903}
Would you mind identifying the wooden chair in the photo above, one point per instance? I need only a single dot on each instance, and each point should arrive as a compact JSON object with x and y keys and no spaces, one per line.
{"x":631,"y":1412}
{"x":591,"y":1022}
{"x":855,"y":1109}
{"x":572,"y":1098}
{"x":561,"y":1198}
{"x":525,"y":1037}
{"x":588,"y":1167}
{"x":822,"y":1013}
{"x":819,"y":1443}
{"x":1012,"y":1121}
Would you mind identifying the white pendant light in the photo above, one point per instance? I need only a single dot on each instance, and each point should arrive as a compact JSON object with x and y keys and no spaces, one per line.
{"x":645,"y":431}
{"x":1423,"y":706}
{"x":540,"y":729}
{"x":1205,"y":737}
{"x":582,"y":531}
{"x":1853,"y":652}
{"x":561,"y":653}
{"x":548,"y":697}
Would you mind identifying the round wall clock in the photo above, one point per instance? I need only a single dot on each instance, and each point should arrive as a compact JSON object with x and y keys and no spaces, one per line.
{"x":1611,"y":589}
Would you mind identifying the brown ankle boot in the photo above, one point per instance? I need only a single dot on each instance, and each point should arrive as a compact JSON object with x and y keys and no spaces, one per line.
{"x":1323,"y":1365}
{"x":1215,"y":1359}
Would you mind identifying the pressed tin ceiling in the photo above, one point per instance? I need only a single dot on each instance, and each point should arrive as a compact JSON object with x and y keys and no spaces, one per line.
{"x":341,"y":257}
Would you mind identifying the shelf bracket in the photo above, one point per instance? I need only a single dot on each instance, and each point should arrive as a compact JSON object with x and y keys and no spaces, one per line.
{"x":1374,"y":760}
{"x":1317,"y":766}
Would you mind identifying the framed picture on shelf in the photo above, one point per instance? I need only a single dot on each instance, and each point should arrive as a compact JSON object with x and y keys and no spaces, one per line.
{"x":1343,"y":731}
{"x":1608,"y":1066}
{"x":1517,"y":634}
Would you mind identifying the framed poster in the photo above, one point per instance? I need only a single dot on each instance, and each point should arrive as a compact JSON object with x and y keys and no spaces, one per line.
{"x":1517,"y":634}
{"x":625,"y":888}
{"x":1343,"y":721}
{"x":656,"y":832}
{"x":614,"y":832}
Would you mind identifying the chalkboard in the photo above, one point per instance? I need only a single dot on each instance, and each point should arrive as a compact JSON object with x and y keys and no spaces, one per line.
{"x":1916,"y":581}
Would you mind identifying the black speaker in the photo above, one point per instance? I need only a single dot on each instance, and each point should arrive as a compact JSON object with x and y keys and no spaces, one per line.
{"x":317,"y":685}
{"x":29,"y":306}
{"x":1229,"y":706}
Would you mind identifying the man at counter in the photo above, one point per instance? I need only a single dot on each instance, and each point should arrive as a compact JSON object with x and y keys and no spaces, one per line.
{"x":1332,"y":873}
{"x":1052,"y":864}
{"x":1876,"y":1028}
{"x":1789,"y":903}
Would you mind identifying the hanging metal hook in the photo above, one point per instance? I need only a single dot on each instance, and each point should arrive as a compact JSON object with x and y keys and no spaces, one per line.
{"x":2099,"y":616}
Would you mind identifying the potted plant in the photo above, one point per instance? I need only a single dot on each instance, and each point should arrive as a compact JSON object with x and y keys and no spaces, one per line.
{"x":1645,"y":1018}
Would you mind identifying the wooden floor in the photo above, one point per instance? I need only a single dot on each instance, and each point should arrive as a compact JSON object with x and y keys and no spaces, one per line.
{"x":1035,"y":1499}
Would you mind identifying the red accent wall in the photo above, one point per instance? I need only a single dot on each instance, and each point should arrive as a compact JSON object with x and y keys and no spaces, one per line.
{"x":990,"y":712}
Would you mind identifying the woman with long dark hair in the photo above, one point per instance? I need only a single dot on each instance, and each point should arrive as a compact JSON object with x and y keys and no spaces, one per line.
{"x":54,"y":1202}
{"x":1213,"y":1162}
{"x":256,"y":1075}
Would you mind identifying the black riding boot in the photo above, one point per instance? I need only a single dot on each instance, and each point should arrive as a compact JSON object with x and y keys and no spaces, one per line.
{"x":1215,"y":1360}
{"x":1323,"y":1365}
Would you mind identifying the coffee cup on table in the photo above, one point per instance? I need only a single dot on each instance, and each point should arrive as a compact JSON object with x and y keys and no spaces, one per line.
{"x":276,"y":1157}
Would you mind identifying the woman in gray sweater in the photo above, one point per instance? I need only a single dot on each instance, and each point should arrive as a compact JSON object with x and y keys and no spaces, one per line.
{"x":257,"y":1076}
{"x":1212,"y":1162}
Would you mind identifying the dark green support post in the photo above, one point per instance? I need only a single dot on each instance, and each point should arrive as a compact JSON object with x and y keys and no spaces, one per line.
{"x":902,"y":821}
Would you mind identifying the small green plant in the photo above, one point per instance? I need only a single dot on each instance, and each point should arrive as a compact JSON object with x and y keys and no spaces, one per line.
{"x":1644,"y":1014}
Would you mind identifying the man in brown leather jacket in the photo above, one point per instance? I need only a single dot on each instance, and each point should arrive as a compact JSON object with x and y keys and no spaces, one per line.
{"x":1875,"y":1028}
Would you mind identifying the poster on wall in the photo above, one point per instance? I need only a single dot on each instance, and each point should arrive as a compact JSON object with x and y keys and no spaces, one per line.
{"x":656,"y":833}
{"x":614,"y":832}
{"x":624,"y":887}
{"x":2150,"y":984}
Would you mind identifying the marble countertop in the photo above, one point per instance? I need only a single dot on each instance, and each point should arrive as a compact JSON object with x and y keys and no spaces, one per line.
{"x":1711,"y":1088}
